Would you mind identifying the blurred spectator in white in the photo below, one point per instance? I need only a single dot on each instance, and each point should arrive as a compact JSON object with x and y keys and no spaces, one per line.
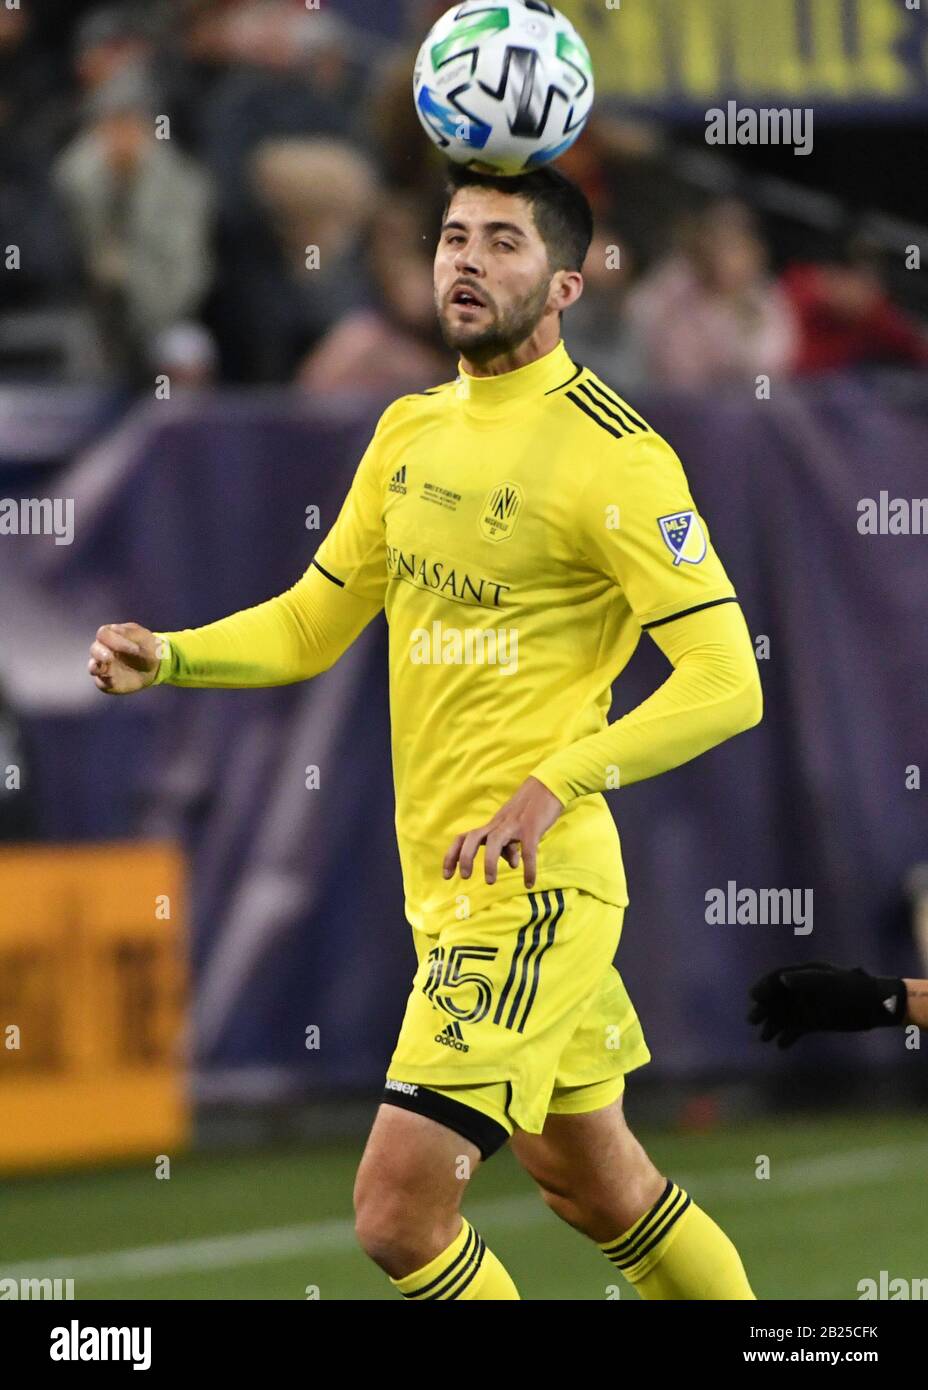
{"x":141,"y":213}
{"x":301,"y":267}
{"x":597,"y":331}
{"x":186,"y":353}
{"x":710,"y":313}
{"x":846,"y":317}
{"x":395,"y":344}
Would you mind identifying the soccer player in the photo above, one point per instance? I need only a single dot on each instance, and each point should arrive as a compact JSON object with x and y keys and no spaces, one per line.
{"x":521,"y":526}
{"x":823,"y":998}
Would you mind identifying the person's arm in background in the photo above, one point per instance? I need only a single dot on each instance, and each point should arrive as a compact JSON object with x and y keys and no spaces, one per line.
{"x":289,"y":638}
{"x":823,"y":998}
{"x":916,"y":1002}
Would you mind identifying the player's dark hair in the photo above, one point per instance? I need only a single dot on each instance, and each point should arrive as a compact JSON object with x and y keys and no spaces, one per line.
{"x":561,"y":210}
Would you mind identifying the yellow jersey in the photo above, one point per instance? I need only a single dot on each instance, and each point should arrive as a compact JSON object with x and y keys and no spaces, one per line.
{"x":520,"y":532}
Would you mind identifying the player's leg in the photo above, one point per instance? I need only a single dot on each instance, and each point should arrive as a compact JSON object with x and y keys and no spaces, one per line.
{"x":593,"y":1172}
{"x":408,"y":1194}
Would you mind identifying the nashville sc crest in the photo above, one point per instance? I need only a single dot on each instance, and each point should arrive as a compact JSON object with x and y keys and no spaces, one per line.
{"x":501,"y":512}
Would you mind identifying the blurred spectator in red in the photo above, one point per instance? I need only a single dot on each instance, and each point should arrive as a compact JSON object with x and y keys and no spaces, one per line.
{"x":846,"y":317}
{"x":709,"y":313}
{"x":394,"y":345}
{"x":597,"y":330}
{"x":141,"y":215}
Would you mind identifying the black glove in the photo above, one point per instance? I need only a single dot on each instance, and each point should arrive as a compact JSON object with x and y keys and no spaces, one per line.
{"x":822,"y":998}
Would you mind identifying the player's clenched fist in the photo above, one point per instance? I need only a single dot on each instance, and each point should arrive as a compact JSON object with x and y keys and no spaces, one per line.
{"x":123,"y":658}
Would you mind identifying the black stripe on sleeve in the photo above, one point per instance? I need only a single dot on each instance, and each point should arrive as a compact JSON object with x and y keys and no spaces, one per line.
{"x":616,"y":434}
{"x":614,"y":400}
{"x":685,"y":612}
{"x":339,"y":582}
{"x":620,"y":419}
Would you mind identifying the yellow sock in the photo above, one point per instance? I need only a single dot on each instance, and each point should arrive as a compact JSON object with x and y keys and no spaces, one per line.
{"x":467,"y":1269}
{"x":676,"y":1251}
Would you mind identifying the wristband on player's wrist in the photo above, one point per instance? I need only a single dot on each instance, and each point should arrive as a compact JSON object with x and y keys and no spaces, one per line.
{"x":890,"y":1001}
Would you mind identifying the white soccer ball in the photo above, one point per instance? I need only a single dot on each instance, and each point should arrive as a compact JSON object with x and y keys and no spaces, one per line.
{"x":503,"y":88}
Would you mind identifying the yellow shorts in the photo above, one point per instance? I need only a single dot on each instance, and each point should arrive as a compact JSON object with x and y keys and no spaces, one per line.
{"x":518,"y":1011}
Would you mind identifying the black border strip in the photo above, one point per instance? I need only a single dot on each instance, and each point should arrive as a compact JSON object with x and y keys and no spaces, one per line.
{"x":684,"y":613}
{"x":339,"y":582}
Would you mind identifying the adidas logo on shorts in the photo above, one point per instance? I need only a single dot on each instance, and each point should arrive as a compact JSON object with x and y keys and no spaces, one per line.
{"x":452,"y":1037}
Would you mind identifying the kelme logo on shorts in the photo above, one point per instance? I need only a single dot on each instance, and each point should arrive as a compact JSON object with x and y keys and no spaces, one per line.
{"x":500,"y":512}
{"x":452,"y":1036}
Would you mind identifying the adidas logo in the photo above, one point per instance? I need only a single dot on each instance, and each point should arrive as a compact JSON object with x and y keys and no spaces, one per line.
{"x":398,"y":481}
{"x":452,"y":1036}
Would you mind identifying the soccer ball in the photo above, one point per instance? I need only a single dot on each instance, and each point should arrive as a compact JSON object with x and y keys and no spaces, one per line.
{"x":503,"y":88}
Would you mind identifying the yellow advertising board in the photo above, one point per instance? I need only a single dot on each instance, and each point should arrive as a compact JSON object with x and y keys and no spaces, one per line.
{"x":92,"y":1004}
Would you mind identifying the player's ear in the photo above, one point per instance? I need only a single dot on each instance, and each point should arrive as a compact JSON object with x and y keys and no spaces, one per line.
{"x":569,"y":288}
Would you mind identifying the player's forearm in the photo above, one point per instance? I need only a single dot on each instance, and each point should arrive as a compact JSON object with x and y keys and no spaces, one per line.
{"x":712,"y":693}
{"x":289,"y":638}
{"x":917,"y":1002}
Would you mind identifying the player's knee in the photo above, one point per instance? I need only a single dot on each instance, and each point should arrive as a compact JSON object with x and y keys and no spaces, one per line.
{"x":382,"y":1227}
{"x":399,"y":1233}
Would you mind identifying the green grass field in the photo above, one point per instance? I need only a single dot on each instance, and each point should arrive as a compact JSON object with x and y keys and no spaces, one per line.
{"x":845,"y":1198}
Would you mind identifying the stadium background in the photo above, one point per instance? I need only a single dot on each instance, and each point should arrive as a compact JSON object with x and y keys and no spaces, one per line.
{"x":203,"y":955}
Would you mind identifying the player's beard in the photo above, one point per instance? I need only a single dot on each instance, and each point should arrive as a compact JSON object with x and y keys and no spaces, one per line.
{"x":503,"y":332}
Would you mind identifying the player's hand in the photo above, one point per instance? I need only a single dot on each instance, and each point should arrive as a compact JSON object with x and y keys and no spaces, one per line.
{"x":123,"y":658}
{"x":819,"y":998}
{"x":519,"y":824}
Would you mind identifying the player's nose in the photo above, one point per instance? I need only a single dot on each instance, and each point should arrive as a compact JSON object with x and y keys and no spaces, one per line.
{"x":467,"y":262}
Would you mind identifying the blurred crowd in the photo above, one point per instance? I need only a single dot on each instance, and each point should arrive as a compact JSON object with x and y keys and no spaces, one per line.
{"x":240,"y":191}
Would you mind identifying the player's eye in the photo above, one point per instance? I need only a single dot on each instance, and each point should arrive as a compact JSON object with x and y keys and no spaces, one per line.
{"x":506,"y":245}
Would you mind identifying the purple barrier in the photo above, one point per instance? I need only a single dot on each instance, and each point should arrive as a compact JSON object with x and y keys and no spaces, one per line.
{"x":296,"y":896}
